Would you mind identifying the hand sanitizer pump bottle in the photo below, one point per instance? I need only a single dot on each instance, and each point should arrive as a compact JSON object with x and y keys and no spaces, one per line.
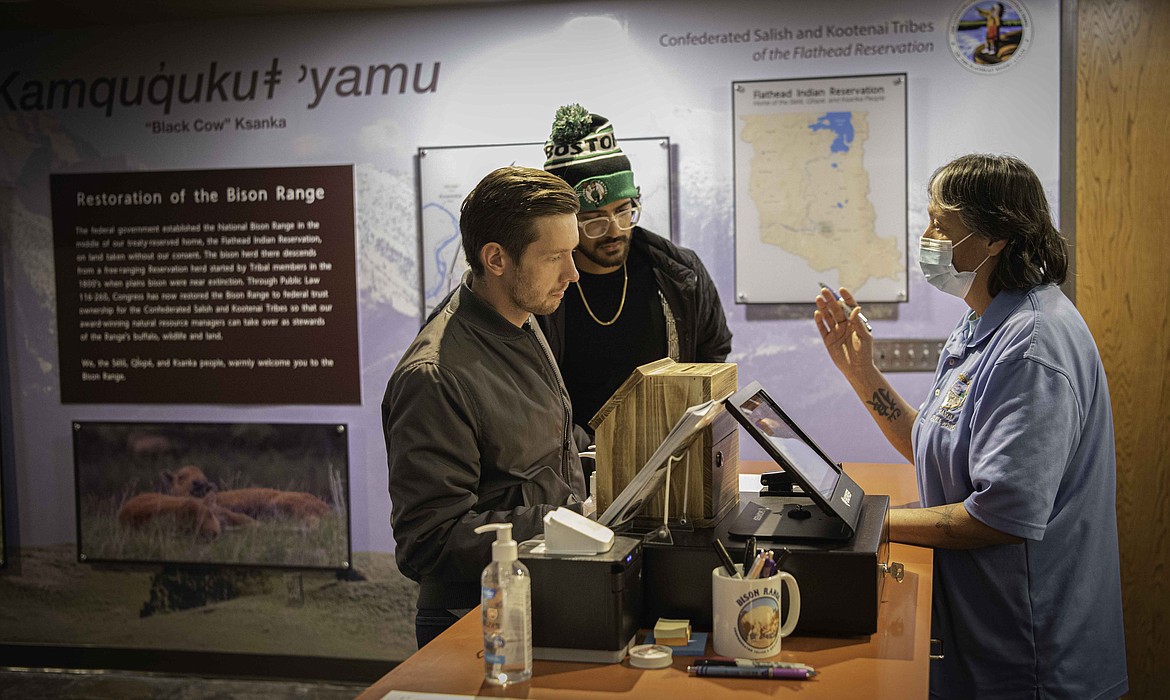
{"x":506,"y":594}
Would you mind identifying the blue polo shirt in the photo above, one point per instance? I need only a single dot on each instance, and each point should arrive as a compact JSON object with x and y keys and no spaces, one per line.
{"x":1018,"y":428}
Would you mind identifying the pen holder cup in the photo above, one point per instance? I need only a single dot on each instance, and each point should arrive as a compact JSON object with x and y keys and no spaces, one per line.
{"x":746,"y":613}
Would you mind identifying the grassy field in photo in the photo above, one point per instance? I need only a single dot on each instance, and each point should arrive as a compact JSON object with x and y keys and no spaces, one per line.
{"x":117,"y":461}
{"x":277,"y":541}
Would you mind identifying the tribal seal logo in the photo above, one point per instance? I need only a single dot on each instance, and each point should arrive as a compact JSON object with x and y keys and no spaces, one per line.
{"x":947,"y":414}
{"x":957,"y":394}
{"x":990,"y":37}
{"x":594,"y":192}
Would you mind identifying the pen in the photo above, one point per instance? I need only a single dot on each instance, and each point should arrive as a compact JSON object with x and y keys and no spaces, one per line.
{"x":846,"y":308}
{"x":749,"y":672}
{"x":752,"y":663}
{"x":756,"y":566}
{"x":749,"y":551}
{"x":725,"y":558}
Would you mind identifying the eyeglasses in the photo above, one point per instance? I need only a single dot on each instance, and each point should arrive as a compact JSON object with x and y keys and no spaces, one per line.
{"x":598,"y":226}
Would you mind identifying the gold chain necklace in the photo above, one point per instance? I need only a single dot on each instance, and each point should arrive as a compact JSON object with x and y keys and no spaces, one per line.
{"x":610,"y":322}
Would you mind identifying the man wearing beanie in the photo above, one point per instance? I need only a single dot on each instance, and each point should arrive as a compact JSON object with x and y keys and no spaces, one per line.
{"x":639,"y":298}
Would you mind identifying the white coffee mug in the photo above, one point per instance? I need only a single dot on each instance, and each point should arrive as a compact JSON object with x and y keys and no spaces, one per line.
{"x":746,"y":613}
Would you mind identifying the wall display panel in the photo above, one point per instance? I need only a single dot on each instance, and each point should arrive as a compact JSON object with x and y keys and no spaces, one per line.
{"x":820,"y":188}
{"x":211,"y":286}
{"x":370,"y":89}
{"x":265,"y":494}
{"x":447,"y":174}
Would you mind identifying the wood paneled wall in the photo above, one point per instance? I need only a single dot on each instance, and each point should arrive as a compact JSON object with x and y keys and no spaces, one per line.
{"x":1123,"y":290}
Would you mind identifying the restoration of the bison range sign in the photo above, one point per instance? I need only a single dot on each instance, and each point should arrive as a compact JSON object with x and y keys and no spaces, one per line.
{"x":260,"y":494}
{"x":207,"y":286}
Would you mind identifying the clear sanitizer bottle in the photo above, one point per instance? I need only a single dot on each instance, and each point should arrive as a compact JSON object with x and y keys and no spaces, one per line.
{"x":506,"y":594}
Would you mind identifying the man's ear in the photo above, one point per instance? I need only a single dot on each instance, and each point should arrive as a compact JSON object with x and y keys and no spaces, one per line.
{"x":495,"y":260}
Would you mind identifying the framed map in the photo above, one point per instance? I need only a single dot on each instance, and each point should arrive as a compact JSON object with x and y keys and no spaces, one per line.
{"x":820,"y":188}
{"x":448,"y":173}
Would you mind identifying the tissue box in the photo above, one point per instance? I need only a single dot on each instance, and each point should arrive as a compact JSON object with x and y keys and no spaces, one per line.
{"x":585,"y":607}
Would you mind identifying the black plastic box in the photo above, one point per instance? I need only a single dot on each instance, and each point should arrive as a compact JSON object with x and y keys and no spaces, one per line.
{"x":585,"y":607}
{"x":840,"y":582}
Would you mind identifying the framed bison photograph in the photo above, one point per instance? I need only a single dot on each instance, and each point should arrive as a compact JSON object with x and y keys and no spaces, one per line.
{"x":255,"y":494}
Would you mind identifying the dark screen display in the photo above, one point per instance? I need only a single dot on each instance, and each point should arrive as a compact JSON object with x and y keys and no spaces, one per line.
{"x":820,"y":474}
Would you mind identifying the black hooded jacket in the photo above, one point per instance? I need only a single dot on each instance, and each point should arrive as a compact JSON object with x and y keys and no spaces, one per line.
{"x":699,"y":325}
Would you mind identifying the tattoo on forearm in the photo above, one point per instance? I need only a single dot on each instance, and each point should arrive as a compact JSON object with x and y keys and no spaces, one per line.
{"x":946,"y":521}
{"x":884,"y":405}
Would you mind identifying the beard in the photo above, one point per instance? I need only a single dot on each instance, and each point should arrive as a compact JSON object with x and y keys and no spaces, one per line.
{"x":603,"y":258}
{"x":524,"y":293}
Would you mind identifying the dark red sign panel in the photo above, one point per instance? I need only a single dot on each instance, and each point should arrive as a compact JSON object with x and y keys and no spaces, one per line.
{"x":207,"y":286}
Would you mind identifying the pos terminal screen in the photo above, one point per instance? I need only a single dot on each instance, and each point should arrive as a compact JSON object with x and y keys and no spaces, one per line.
{"x":799,"y":455}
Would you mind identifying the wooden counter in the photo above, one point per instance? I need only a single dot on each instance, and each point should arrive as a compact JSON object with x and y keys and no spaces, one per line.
{"x":893,"y":663}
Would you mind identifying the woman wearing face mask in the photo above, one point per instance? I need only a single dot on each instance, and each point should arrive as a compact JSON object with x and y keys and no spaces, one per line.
{"x":1013,"y":449}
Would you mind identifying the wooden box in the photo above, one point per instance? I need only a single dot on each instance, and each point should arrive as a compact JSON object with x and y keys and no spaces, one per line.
{"x":632,"y":424}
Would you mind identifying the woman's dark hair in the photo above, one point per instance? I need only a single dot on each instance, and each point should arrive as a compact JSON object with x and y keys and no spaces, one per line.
{"x":503,"y":206}
{"x":1000,"y":198}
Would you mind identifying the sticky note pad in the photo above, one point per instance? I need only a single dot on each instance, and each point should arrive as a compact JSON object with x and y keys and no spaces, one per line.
{"x":671,"y":632}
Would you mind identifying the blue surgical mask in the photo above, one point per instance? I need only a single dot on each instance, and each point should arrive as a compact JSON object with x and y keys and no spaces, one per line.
{"x":935,"y":260}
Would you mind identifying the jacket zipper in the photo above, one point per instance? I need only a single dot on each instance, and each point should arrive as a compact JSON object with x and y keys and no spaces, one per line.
{"x":567,"y":425}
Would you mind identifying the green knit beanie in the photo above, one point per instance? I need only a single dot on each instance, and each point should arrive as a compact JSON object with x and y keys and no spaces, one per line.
{"x":583,"y":151}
